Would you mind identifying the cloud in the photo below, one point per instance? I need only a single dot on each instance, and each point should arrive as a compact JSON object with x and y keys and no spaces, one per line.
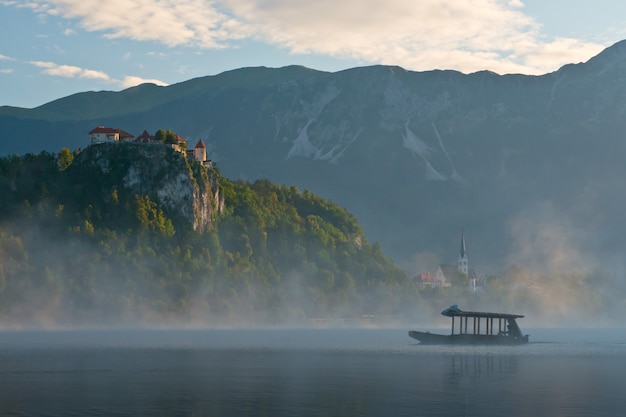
{"x":132,"y":81}
{"x":70,"y":71}
{"x":6,"y":58}
{"x":6,"y":71}
{"x":43,"y":64}
{"x":93,"y":74}
{"x":560,"y":51}
{"x":466,"y":35}
{"x":171,"y":22}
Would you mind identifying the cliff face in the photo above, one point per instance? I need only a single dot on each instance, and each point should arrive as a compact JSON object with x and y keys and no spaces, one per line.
{"x":186,"y":190}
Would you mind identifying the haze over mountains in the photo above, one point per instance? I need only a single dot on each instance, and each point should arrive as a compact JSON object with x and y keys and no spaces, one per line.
{"x":531,"y":167}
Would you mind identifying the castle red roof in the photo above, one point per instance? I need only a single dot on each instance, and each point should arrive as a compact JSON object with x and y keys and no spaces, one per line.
{"x":200,"y":144}
{"x":102,"y":129}
{"x":111,"y":131}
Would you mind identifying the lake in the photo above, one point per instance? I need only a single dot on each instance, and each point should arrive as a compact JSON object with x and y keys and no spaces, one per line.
{"x":293,"y":372}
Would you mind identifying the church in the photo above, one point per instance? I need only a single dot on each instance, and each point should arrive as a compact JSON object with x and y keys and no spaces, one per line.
{"x":460,"y":274}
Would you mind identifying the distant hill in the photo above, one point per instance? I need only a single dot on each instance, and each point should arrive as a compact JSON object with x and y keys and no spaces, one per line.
{"x":531,"y":167}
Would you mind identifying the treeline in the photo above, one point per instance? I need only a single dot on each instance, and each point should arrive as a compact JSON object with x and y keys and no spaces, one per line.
{"x":78,"y":249}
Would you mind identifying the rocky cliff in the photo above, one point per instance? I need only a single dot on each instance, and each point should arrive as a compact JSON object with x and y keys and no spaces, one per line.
{"x":186,"y":190}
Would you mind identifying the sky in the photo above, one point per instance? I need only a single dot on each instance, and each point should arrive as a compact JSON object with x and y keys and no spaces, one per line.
{"x":51,"y":49}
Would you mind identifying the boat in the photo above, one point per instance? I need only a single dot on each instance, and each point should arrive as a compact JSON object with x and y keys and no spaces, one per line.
{"x":476,"y":328}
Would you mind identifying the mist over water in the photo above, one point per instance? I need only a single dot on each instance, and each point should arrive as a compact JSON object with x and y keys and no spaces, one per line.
{"x":303,"y":372}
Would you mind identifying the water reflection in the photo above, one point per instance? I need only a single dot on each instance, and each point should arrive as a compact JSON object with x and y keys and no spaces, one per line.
{"x":302,"y":373}
{"x":463,"y":366}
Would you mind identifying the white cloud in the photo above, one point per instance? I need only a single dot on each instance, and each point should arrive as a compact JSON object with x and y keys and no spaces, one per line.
{"x":93,"y":74}
{"x":132,"y":81}
{"x":69,"y":71}
{"x":561,"y":51}
{"x":6,"y":58}
{"x":172,"y":22}
{"x":6,"y":71}
{"x":467,"y":35}
{"x":43,"y":64}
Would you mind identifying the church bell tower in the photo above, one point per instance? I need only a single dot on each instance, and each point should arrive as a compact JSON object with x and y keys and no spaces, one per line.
{"x":463,"y":261}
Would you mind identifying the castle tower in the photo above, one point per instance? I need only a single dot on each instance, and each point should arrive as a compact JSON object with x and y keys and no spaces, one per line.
{"x":199,"y":152}
{"x":462,"y":264}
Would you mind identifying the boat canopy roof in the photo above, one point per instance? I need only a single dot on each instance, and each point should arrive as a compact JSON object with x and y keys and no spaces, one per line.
{"x":455,"y":311}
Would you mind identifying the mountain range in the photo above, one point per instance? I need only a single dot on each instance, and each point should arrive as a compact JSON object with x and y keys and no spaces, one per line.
{"x":529,"y":168}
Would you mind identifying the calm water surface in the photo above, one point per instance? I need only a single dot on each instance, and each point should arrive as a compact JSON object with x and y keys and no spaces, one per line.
{"x":274,"y":373}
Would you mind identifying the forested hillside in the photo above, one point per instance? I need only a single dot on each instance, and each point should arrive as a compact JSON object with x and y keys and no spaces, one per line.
{"x":81,"y":244}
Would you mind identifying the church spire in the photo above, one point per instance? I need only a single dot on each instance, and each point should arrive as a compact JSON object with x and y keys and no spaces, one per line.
{"x":462,"y":265}
{"x":462,"y":253}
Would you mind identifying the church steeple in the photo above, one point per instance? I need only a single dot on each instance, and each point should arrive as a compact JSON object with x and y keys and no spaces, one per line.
{"x":463,"y":261}
{"x":462,"y":253}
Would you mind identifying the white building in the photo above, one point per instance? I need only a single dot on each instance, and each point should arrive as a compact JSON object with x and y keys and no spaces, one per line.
{"x":103,"y":134}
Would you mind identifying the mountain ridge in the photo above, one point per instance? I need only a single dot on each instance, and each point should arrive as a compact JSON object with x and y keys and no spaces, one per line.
{"x":417,"y":156}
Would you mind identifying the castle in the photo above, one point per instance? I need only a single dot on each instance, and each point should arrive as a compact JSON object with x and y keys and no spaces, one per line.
{"x":102,"y":134}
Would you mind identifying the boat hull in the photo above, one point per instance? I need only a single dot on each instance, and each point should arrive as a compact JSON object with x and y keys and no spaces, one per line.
{"x":427,"y":338}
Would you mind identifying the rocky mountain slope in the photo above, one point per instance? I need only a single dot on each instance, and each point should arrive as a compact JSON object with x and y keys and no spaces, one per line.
{"x":520,"y":162}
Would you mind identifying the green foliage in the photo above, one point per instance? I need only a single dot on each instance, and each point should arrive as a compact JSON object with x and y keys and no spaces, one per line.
{"x":151,"y":218}
{"x":64,"y":159}
{"x":171,"y":137}
{"x":160,"y":135}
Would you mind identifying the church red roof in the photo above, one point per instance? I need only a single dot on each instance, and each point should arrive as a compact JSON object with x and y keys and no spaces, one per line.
{"x":200,"y":144}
